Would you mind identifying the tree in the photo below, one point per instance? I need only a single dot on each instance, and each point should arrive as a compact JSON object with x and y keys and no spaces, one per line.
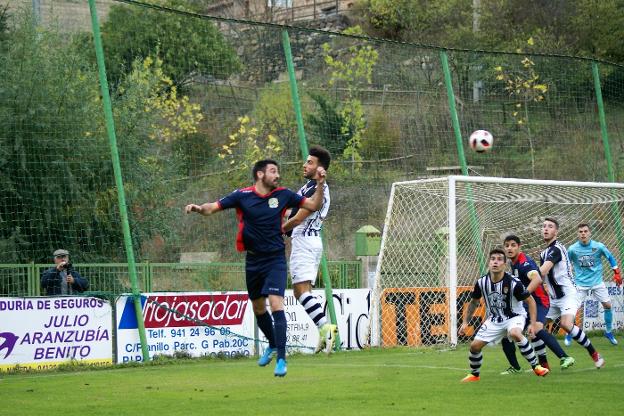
{"x":57,"y":187}
{"x":189,"y":47}
{"x":421,"y":20}
{"x":524,"y":86}
{"x":326,"y":125}
{"x":577,"y":27}
{"x":352,"y":68}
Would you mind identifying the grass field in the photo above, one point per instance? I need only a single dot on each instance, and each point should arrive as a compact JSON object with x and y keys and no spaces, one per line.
{"x":373,"y":382}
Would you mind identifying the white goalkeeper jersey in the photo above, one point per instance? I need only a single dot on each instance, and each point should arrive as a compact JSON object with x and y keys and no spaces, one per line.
{"x":311,"y":226}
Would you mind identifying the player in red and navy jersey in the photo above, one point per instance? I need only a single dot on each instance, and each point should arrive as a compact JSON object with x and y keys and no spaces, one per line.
{"x":260,"y":209}
{"x":524,"y":268}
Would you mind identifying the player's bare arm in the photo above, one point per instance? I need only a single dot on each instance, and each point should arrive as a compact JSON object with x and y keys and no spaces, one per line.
{"x":532,"y":330}
{"x":299,"y":217}
{"x":206,"y":209}
{"x":472,"y":307}
{"x":545,"y":268}
{"x":536,"y":281}
{"x":316,"y":201}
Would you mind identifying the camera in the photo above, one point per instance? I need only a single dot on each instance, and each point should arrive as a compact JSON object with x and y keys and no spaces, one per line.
{"x":67,"y":266}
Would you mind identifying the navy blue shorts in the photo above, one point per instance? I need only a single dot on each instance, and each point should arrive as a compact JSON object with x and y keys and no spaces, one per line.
{"x":265,"y":274}
{"x":542,"y":311}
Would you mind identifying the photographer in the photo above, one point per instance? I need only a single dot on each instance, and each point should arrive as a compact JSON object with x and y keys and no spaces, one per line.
{"x":62,"y":279}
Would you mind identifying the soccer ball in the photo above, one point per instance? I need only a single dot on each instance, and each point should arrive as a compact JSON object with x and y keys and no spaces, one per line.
{"x":481,"y":141}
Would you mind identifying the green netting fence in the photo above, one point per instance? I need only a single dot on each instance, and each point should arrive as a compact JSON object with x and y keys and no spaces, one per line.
{"x":113,"y":278}
{"x":196,"y":100}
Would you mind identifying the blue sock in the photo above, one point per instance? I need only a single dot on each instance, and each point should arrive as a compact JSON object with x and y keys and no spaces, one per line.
{"x":279,"y":318}
{"x":265,"y":323}
{"x":608,"y":317}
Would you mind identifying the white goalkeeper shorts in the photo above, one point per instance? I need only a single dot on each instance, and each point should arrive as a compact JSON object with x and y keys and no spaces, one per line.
{"x":305,"y":258}
{"x":493,"y":332}
{"x":567,"y":305}
{"x":599,"y":292}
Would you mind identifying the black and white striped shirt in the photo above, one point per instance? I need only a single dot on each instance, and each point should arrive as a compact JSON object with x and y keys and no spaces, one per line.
{"x":503,"y":299}
{"x":311,"y":226}
{"x":560,"y":279}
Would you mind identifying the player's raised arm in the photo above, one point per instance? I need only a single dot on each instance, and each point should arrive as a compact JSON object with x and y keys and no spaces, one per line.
{"x":297,"y":219}
{"x":206,"y":209}
{"x":315,"y":203}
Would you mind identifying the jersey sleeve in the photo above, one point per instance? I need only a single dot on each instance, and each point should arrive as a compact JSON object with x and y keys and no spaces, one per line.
{"x":520,"y":292}
{"x":476,"y":292}
{"x":528,"y":266}
{"x":294,"y":199}
{"x":605,"y":252}
{"x":572,"y":253}
{"x":554,"y":255}
{"x":326,"y":201}
{"x":230,"y":201}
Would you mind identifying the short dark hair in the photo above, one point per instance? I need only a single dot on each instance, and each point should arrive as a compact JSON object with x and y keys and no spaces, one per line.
{"x":261,"y":166}
{"x":322,"y":154}
{"x":584,"y":224}
{"x":512,"y":237}
{"x":554,"y":221}
{"x":496,"y":250}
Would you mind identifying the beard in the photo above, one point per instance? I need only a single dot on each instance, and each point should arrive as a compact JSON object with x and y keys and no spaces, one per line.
{"x":270,"y":184}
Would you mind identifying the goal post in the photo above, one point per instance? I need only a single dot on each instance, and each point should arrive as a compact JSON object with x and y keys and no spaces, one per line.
{"x":436,"y":230}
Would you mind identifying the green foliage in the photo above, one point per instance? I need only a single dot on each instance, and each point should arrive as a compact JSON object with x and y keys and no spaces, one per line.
{"x":353,"y":69}
{"x":420,"y":20}
{"x":578,"y":27}
{"x":270,"y":130}
{"x":523,"y":86}
{"x":382,"y":136}
{"x":188,"y":47}
{"x":245,"y":147}
{"x":56,"y":178}
{"x":4,"y":22}
{"x":325,"y":127}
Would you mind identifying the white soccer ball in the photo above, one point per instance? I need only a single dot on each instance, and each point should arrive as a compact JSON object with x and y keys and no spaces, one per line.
{"x":481,"y":141}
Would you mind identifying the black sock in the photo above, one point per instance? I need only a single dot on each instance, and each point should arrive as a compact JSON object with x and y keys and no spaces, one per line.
{"x":279,"y":318}
{"x":509,"y":348}
{"x":265,"y":323}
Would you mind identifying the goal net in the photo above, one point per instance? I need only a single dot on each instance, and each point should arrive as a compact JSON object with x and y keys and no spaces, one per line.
{"x":437,"y":235}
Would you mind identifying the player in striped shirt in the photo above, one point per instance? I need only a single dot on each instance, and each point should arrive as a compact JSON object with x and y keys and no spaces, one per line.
{"x":304,"y":227}
{"x":557,"y":272}
{"x":505,"y":317}
{"x":586,"y":257}
{"x":524,"y":268}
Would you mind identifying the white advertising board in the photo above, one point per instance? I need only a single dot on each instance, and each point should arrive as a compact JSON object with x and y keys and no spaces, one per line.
{"x":41,"y":333}
{"x":352,"y":308}
{"x":206,"y":323}
{"x":593,"y":316}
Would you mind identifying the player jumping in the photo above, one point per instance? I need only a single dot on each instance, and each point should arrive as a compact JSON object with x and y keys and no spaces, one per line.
{"x":307,"y":247}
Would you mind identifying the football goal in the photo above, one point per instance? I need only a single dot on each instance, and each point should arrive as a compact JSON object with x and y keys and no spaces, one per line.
{"x":437,"y":235}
